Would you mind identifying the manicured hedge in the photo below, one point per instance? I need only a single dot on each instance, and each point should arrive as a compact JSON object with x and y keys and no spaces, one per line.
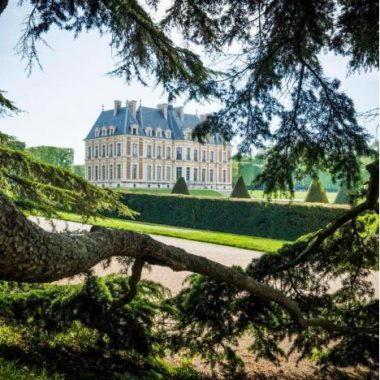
{"x":248,"y":217}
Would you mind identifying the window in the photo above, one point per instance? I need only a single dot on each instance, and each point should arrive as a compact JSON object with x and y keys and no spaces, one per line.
{"x":224,"y":157}
{"x":195,"y":175}
{"x":104,"y":131}
{"x":224,"y":175}
{"x":203,"y":175}
{"x":188,"y":154}
{"x":211,"y":175}
{"x":97,"y":132}
{"x":211,"y":156}
{"x":168,"y":153}
{"x":203,"y":156}
{"x":118,"y":149}
{"x":134,"y":131}
{"x":195,"y":154}
{"x":103,"y":150}
{"x":134,"y":171}
{"x":118,"y":171}
{"x":96,"y":173}
{"x":103,"y":172}
{"x":158,"y":133}
{"x":110,"y":173}
{"x":159,"y":152}
{"x":168,"y":170}
{"x":89,"y":173}
{"x":158,"y":173}
{"x":149,"y":151}
{"x":187,"y":174}
{"x":179,"y":154}
{"x":189,"y":137}
{"x":148,"y":132}
{"x":149,"y":173}
{"x":168,"y":134}
{"x":110,"y":150}
{"x":134,"y":150}
{"x":178,"y":173}
{"x":89,"y":152}
{"x":96,"y":152}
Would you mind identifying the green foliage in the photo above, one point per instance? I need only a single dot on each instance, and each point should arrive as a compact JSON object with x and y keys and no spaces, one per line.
{"x":247,"y":217}
{"x":342,"y":196}
{"x":34,"y":185}
{"x":71,"y":329}
{"x":180,"y":187}
{"x":52,"y":155}
{"x":240,"y":190}
{"x":316,"y":192}
{"x":212,"y":316}
{"x":13,"y":371}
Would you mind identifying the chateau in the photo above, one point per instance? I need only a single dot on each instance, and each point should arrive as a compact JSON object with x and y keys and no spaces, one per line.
{"x":152,"y":147}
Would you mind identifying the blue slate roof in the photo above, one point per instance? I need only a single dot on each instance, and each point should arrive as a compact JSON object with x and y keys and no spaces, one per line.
{"x":146,"y":117}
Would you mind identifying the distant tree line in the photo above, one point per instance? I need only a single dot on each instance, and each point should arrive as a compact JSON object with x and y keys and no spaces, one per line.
{"x":52,"y":155}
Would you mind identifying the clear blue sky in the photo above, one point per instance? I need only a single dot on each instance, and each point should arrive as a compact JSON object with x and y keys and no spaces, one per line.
{"x":62,"y":102}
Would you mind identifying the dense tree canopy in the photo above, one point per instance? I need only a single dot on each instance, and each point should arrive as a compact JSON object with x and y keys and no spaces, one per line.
{"x":275,"y":94}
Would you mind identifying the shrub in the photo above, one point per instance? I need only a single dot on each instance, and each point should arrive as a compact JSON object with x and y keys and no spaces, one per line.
{"x":316,"y":193}
{"x":342,"y":196}
{"x":240,"y":190}
{"x":180,"y":187}
{"x":246,"y":217}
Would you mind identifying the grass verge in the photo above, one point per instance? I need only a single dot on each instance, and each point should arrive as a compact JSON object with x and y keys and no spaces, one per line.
{"x":232,"y":240}
{"x":194,"y":192}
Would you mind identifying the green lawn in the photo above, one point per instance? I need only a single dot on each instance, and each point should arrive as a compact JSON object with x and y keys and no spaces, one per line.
{"x":298,"y":195}
{"x":233,"y":240}
{"x":195,"y":192}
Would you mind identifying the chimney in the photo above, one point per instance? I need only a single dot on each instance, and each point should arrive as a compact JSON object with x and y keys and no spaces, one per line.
{"x":203,"y":117}
{"x":180,"y":112}
{"x":164,"y":108}
{"x":132,"y":105}
{"x":117,"y":106}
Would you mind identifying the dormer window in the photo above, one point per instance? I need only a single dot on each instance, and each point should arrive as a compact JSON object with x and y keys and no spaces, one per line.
{"x":134,"y":130}
{"x":168,"y":134}
{"x":148,"y":132}
{"x":97,"y":132}
{"x":111,"y":130}
{"x":158,"y":133}
{"x":104,"y":131}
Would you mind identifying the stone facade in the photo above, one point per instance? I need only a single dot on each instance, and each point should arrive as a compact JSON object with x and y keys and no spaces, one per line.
{"x":152,"y":148}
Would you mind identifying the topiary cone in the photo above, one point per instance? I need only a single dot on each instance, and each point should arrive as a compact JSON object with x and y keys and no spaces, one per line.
{"x":180,"y":187}
{"x":316,"y":192}
{"x":342,"y":196}
{"x":240,"y":190}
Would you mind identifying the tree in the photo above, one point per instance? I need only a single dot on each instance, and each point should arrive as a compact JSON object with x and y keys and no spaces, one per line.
{"x":280,"y":295}
{"x":342,"y":196}
{"x":180,"y":187}
{"x":79,"y":170}
{"x":316,"y":192}
{"x":62,"y":157}
{"x":240,"y":190}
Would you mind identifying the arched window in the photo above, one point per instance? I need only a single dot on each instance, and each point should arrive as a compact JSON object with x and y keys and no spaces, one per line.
{"x":158,"y":133}
{"x":168,"y":134}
